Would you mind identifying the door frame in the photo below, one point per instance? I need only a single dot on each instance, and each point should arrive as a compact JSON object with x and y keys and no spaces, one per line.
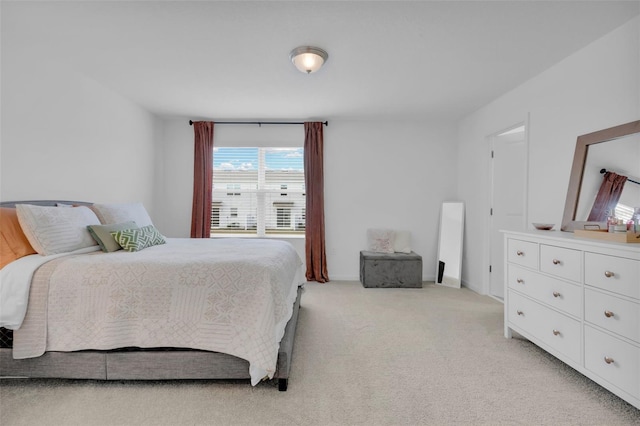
{"x":490,"y":140}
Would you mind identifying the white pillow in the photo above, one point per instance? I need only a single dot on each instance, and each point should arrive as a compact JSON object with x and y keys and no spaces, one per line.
{"x":122,"y":212}
{"x":380,"y":240}
{"x":402,"y":242}
{"x":52,"y":230}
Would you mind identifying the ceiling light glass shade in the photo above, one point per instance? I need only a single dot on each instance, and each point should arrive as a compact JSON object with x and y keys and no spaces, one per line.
{"x":308,"y":59}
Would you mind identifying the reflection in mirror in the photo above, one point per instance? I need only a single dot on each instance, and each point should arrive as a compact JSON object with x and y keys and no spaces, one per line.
{"x":615,"y":150}
{"x":619,"y":156}
{"x":449,"y":265}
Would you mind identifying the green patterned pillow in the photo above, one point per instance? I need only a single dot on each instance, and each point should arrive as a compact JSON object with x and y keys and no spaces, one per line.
{"x":102,"y":234}
{"x":138,"y":239}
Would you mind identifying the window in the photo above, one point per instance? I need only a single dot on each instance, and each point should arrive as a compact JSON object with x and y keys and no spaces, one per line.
{"x":231,"y":187}
{"x":215,"y":215}
{"x":624,"y":212}
{"x":301,"y":221}
{"x":249,"y":189}
{"x":283,"y":217}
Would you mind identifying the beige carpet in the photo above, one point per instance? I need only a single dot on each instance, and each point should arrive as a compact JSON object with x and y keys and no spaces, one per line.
{"x":362,"y":356}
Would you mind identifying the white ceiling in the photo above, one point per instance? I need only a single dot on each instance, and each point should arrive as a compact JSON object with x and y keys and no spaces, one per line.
{"x":229,"y":60}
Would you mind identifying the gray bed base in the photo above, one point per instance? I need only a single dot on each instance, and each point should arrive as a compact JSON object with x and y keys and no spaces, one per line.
{"x":147,"y":364}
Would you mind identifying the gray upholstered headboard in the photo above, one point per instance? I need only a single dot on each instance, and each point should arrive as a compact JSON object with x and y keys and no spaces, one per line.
{"x":52,"y":203}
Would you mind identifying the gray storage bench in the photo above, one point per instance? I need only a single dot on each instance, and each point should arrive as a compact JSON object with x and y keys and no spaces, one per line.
{"x":390,"y":269}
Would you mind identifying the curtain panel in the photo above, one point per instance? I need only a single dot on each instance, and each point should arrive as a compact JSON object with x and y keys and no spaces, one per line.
{"x":202,"y":179}
{"x":315,"y":251}
{"x":607,"y":197}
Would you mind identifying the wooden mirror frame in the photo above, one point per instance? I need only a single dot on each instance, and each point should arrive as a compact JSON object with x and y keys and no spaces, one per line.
{"x":569,"y":223}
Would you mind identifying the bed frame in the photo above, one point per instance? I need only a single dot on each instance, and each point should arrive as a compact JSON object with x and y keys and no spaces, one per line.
{"x":144,"y":364}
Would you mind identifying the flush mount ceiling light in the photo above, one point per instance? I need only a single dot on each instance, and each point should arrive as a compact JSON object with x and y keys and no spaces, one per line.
{"x":308,"y":58}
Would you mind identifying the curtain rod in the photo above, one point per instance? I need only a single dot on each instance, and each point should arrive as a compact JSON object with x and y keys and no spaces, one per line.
{"x":260,"y":123}
{"x":603,"y":171}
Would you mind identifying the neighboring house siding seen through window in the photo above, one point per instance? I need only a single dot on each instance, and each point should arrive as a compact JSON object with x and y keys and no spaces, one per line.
{"x":258,"y":191}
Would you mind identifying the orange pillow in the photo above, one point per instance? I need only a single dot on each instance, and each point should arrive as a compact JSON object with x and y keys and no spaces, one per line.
{"x":13,"y":242}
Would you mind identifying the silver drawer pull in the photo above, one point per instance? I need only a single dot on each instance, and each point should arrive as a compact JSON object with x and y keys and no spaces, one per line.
{"x":608,"y":360}
{"x":519,"y":312}
{"x":520,"y":281}
{"x":556,"y":294}
{"x":520,"y":253}
{"x":556,"y":262}
{"x":556,"y":332}
{"x":608,"y":274}
{"x":608,"y":314}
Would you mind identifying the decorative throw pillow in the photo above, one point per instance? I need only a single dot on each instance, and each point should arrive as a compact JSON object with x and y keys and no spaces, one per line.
{"x":402,"y":242}
{"x":138,"y":239}
{"x":380,"y":240}
{"x":13,"y":243}
{"x":102,"y":234}
{"x":123,"y":212}
{"x":52,"y":230}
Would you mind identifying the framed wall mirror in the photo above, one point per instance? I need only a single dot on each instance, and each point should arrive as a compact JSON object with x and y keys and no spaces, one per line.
{"x":617,"y":150}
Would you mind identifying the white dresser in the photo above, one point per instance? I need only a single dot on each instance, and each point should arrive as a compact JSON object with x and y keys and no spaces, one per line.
{"x":578,"y":299}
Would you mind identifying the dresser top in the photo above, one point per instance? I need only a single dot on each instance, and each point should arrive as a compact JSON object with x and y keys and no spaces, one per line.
{"x":571,"y":239}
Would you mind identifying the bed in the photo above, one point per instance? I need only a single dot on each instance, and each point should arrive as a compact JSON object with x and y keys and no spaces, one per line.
{"x":166,"y":311}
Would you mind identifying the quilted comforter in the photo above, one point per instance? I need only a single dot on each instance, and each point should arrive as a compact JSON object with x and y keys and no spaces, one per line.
{"x":226,"y":295}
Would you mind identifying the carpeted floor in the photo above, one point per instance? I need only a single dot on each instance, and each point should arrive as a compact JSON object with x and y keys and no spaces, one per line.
{"x":429,"y":356}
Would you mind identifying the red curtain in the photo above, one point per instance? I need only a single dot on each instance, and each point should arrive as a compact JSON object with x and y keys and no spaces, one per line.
{"x":316,"y":257}
{"x":607,"y":198}
{"x":202,"y":179}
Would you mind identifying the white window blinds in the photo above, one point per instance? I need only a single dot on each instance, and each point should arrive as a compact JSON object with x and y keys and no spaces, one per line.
{"x":258,"y":191}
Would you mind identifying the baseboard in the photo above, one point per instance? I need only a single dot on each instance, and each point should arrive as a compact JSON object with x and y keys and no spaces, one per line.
{"x":470,"y":286}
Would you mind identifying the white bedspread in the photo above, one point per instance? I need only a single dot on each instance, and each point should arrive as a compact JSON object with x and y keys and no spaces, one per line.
{"x":15,"y":282}
{"x":226,"y":295}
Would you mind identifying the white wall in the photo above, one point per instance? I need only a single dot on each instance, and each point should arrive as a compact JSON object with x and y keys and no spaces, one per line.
{"x":65,"y":136}
{"x":385,"y":175}
{"x":596,"y":88}
{"x":377,"y":174}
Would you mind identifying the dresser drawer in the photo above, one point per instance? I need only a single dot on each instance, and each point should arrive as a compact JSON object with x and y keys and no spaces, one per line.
{"x":523,"y":253}
{"x":616,"y":274}
{"x":613,"y":314}
{"x":553,"y":292}
{"x":558,"y":331}
{"x":612,"y":359}
{"x":561,"y":262}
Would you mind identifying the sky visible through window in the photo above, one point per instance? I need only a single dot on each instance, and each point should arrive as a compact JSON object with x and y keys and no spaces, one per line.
{"x":247,"y":159}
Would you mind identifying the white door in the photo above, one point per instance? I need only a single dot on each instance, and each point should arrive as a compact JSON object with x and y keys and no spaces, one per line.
{"x":508,"y":198}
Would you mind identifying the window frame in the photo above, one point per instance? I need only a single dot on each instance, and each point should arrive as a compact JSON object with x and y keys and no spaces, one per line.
{"x":262,"y":193}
